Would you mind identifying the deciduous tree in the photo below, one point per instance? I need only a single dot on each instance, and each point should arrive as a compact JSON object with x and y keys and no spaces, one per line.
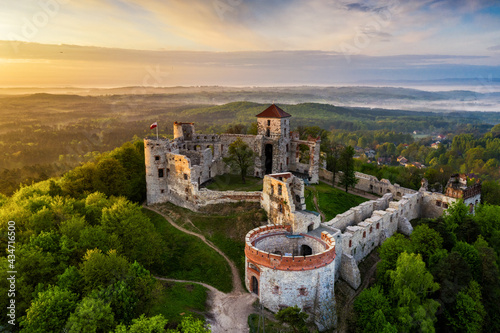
{"x":240,"y":157}
{"x":348,"y":177}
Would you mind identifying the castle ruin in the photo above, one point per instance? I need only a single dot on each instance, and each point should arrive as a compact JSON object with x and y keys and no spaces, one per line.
{"x":296,"y":258}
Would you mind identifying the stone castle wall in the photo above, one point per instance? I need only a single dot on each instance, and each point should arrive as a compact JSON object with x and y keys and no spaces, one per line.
{"x":306,"y":281}
{"x":283,"y":200}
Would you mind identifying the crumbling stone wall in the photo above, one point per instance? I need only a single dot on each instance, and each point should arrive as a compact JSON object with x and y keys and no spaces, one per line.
{"x":204,"y":155}
{"x":280,"y":194}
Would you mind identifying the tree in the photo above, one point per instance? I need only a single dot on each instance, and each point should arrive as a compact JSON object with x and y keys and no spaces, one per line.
{"x":348,"y":177}
{"x":333,"y":160}
{"x":470,"y":254}
{"x":372,"y":309}
{"x":240,"y":157}
{"x":144,"y":324}
{"x":136,"y":235}
{"x":389,"y":252}
{"x":455,"y":215}
{"x":49,"y":311}
{"x":91,"y":315}
{"x":101,"y":270}
{"x":193,"y":325}
{"x":110,"y":177}
{"x":411,"y":284}
{"x":293,"y":316}
{"x":468,"y":313}
{"x":426,"y":241}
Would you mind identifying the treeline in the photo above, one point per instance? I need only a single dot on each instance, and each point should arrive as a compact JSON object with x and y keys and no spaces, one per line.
{"x":83,"y":251}
{"x":464,"y":153}
{"x":443,"y":278}
{"x":43,"y":135}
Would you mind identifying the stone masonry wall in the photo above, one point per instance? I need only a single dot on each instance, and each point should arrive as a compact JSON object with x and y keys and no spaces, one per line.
{"x":305,"y":281}
{"x":280,"y":194}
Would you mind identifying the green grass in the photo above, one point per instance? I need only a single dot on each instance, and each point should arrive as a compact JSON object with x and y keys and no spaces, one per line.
{"x":186,"y":257}
{"x":225,"y":225}
{"x":179,"y":298}
{"x":309,"y":194}
{"x":270,"y":326}
{"x":331,"y":201}
{"x":231,"y":182}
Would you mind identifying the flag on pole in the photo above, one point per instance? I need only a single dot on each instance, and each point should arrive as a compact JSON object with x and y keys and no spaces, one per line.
{"x":153,"y":125}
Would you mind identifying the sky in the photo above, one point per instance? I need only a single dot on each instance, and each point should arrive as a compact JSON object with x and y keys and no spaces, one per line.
{"x":111,"y":43}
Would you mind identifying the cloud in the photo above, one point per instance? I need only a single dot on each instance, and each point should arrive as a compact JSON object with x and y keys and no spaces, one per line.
{"x":38,"y":64}
{"x":494,"y":48}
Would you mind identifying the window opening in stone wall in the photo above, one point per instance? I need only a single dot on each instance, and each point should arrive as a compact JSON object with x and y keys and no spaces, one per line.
{"x":471,"y":208}
{"x":269,"y":158}
{"x":185,"y":176}
{"x":350,"y":243}
{"x":310,"y":227}
{"x":168,"y":172}
{"x":268,"y":123}
{"x":438,"y":203}
{"x":276,"y":290}
{"x":252,"y":266}
{"x":157,"y":158}
{"x":268,"y":132}
{"x":302,"y":291}
{"x":255,"y":285}
{"x":364,"y":234}
{"x":445,"y":205}
{"x":279,"y":189}
{"x":306,"y":250}
{"x":378,"y":225}
{"x":280,"y":208}
{"x":160,"y":173}
{"x":162,"y":191}
{"x":371,"y":229}
{"x":272,"y":189}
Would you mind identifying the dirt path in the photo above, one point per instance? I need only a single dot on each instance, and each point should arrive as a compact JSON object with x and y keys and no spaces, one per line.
{"x":234,"y":271}
{"x":315,"y":201}
{"x":228,"y":312}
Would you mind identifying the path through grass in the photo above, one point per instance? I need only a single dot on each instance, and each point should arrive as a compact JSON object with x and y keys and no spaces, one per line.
{"x":225,"y":225}
{"x":188,"y":258}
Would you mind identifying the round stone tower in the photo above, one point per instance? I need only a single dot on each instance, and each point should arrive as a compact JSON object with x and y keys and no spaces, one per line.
{"x":286,"y":269}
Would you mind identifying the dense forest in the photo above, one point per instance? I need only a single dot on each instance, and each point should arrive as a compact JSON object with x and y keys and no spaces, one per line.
{"x":84,"y":252}
{"x":443,"y":278}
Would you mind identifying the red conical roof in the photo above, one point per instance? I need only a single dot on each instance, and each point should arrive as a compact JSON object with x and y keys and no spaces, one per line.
{"x":273,"y":112}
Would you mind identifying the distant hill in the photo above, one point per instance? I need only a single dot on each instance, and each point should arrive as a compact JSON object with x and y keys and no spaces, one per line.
{"x":480,"y":97}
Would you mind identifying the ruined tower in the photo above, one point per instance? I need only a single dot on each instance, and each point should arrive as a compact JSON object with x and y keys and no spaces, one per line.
{"x":274,"y":125}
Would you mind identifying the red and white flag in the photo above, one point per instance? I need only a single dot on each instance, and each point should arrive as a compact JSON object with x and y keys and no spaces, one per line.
{"x":153,"y":125}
